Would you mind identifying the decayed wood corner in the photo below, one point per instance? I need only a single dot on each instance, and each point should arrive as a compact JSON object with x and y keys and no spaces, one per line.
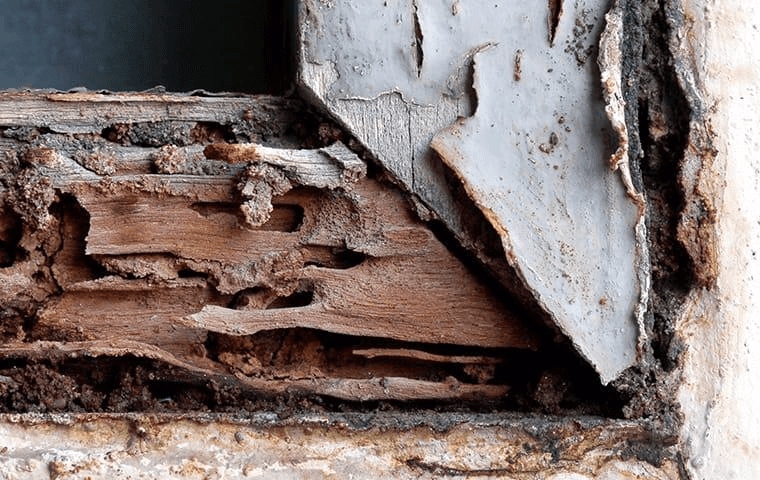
{"x":175,"y":228}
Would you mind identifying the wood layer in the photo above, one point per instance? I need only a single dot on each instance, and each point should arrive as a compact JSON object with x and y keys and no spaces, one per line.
{"x":152,"y":252}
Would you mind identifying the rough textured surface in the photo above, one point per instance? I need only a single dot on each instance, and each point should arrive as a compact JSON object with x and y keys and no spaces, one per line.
{"x":536,"y":168}
{"x":246,"y":262}
{"x":719,"y":324}
{"x":695,"y":143}
{"x":555,"y":206}
{"x":321,"y":446}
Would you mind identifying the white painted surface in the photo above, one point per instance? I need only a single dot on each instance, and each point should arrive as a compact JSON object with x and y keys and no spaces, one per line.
{"x":562,"y":213}
{"x":103,"y":448}
{"x":534,"y":157}
{"x":721,"y":394}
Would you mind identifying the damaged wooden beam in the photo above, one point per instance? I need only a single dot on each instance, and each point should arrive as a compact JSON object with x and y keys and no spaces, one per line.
{"x":198,"y":254}
{"x":426,"y":356}
{"x":350,"y":389}
{"x":83,"y":113}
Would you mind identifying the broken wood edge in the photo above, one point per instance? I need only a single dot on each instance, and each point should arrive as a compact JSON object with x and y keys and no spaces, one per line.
{"x":383,"y":388}
{"x":147,"y":97}
{"x":121,"y":284}
{"x":229,"y":321}
{"x":91,"y":112}
{"x":347,"y":167}
{"x":371,"y":353}
{"x":233,"y":152}
{"x":272,"y":172}
{"x":321,"y":316}
{"x":50,"y":350}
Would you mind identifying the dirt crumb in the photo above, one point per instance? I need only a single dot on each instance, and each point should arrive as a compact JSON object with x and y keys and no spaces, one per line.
{"x":169,"y":159}
{"x":37,"y":388}
{"x":259,"y":183}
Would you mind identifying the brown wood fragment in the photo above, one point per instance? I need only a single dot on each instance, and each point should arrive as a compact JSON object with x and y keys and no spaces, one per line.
{"x":329,"y":167}
{"x":117,"y":348}
{"x":134,"y":224}
{"x":56,"y":351}
{"x":426,"y":356}
{"x":92,"y":112}
{"x":412,"y":290}
{"x":113,"y":308}
{"x":404,"y":300}
{"x":386,"y":388}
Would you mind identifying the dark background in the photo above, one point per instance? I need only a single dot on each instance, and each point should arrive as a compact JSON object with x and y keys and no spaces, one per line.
{"x":132,"y":45}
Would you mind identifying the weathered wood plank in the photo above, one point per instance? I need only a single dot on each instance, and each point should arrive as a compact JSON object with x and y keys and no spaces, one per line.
{"x":329,"y":167}
{"x":112,"y":308}
{"x":93,"y":112}
{"x":405,"y":300}
{"x":178,"y":226}
{"x":384,"y":388}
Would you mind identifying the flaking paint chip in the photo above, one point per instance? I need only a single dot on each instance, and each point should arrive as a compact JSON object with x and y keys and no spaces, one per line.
{"x":571,"y":227}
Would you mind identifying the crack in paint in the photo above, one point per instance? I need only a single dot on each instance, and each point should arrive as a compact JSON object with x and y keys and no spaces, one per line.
{"x":555,"y":13}
{"x":418,"y":37}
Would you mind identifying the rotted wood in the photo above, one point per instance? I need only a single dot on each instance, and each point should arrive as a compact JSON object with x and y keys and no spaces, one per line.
{"x":236,"y":240}
{"x":380,"y":388}
{"x":426,"y":356}
{"x":79,"y":113}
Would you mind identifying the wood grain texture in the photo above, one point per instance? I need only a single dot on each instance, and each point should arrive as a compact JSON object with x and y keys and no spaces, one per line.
{"x":426,"y":356}
{"x":149,"y":252}
{"x":384,"y":388}
{"x":78,"y":113}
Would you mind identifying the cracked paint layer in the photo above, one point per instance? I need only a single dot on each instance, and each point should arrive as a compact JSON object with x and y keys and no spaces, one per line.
{"x":533,"y":155}
{"x":564,"y":219}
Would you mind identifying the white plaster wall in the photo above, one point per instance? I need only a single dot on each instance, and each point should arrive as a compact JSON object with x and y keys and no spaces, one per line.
{"x":721,"y":395}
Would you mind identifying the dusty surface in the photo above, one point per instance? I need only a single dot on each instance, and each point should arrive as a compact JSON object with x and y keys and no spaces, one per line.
{"x":416,"y":445}
{"x":679,"y":128}
{"x":663,"y":118}
{"x":116,"y":297}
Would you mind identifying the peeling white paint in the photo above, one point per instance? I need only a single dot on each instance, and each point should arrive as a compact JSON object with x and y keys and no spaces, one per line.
{"x":610,"y":63}
{"x":533,"y":157}
{"x":564,"y":218}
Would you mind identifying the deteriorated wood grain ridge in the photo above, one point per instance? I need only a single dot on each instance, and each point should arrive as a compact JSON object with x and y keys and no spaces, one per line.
{"x":157,"y":243}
